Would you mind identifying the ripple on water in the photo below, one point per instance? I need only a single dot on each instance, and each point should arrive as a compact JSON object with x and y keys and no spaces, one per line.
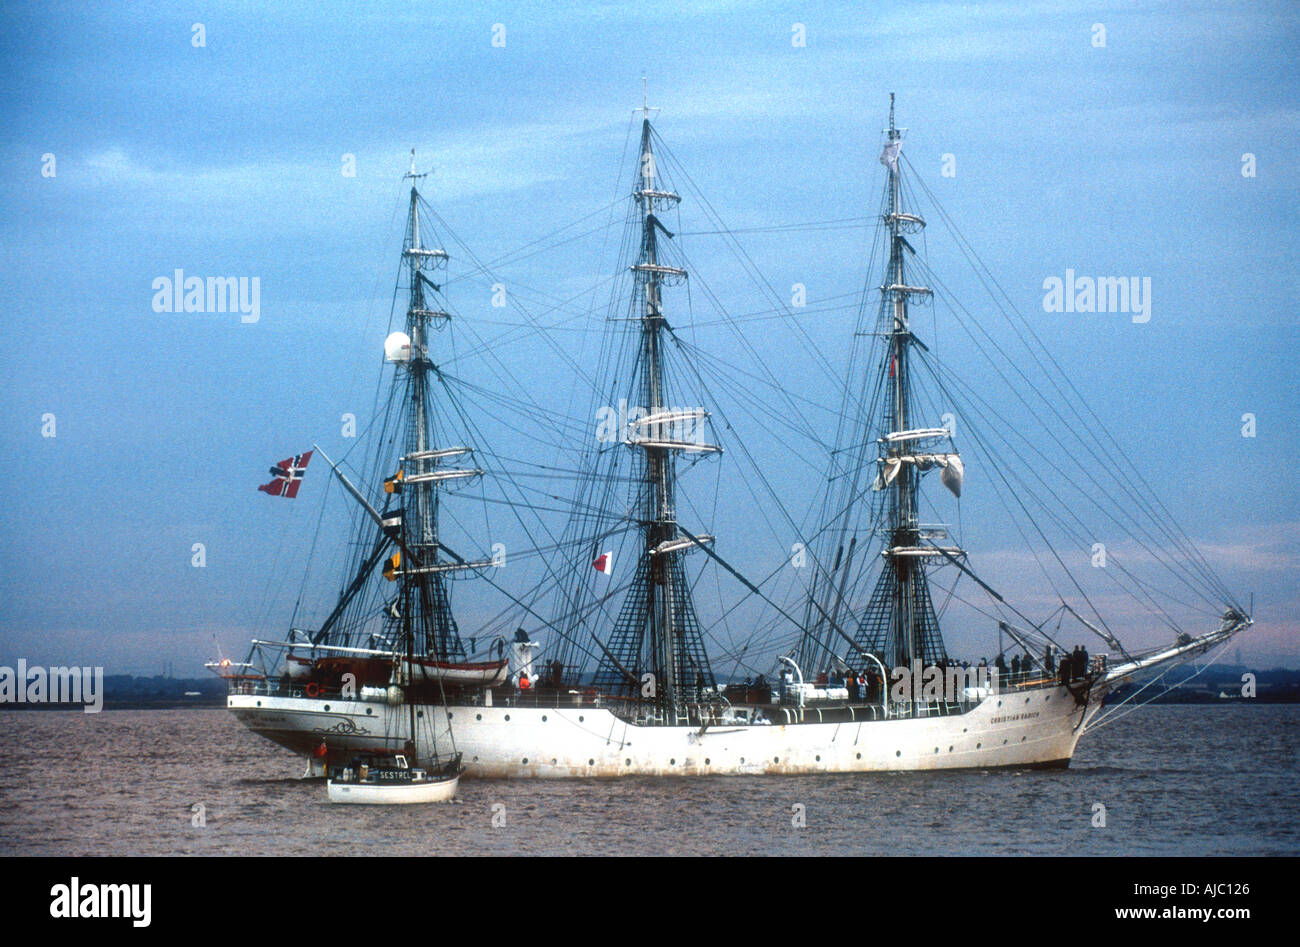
{"x":124,"y":782}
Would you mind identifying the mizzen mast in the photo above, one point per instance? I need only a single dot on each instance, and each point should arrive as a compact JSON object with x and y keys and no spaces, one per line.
{"x":425,"y":608}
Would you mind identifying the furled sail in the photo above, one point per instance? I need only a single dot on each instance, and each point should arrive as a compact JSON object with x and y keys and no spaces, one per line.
{"x":889,"y":157}
{"x":953,"y":470}
{"x":952,"y":473}
{"x":895,"y":436}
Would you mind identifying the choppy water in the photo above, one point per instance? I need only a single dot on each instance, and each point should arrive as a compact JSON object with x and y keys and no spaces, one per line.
{"x":1175,"y":780}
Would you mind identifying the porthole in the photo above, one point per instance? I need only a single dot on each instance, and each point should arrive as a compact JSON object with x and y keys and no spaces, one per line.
{"x":478,"y":716}
{"x":706,"y":761}
{"x":999,"y":703}
{"x":543,"y":718}
{"x":936,"y":749}
{"x":581,"y":718}
{"x":978,"y":745}
{"x":419,"y":713}
{"x":369,"y":712}
{"x":672,"y":762}
{"x":949,"y":749}
{"x":327,"y":708}
{"x":591,"y":762}
{"x":259,"y":703}
{"x":1004,"y":742}
{"x":898,"y":752}
{"x":819,"y":759}
{"x":859,"y":756}
{"x":552,"y":762}
{"x":525,"y":761}
{"x":627,"y":762}
{"x":449,"y":715}
{"x":1026,"y":700}
{"x":507,"y":716}
{"x":776,"y":759}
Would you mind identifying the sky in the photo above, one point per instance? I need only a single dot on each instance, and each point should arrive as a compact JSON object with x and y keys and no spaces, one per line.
{"x":1107,"y":139}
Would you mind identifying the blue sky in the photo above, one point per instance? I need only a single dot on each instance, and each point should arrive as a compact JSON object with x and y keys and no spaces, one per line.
{"x":226,"y":159}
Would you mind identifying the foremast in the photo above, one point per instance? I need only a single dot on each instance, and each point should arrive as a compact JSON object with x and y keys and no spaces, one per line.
{"x":657,"y":638}
{"x":899,"y":625}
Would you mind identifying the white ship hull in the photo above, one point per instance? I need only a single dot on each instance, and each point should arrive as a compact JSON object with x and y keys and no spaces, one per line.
{"x":1031,"y":728}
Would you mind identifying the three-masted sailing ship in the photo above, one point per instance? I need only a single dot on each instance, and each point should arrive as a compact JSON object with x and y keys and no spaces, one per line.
{"x":646,"y":699}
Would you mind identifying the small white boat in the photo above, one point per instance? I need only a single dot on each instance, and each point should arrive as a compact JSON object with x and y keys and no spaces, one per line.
{"x":465,"y":674}
{"x":392,"y":781}
{"x":471,"y":674}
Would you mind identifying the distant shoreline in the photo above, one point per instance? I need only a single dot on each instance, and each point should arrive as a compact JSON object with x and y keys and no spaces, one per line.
{"x":202,"y":703}
{"x":1191,"y":686}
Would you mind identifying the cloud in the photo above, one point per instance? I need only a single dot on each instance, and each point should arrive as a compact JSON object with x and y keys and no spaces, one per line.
{"x":488,"y":159}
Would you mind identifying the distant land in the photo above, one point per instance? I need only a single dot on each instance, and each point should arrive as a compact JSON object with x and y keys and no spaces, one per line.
{"x":126,"y":692}
{"x":1217,"y":684}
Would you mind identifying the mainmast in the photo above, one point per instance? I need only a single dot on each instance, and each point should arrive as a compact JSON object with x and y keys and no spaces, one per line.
{"x":657,"y":631}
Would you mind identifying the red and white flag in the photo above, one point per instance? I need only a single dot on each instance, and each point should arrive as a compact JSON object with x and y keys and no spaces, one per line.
{"x":287,"y":476}
{"x":604,"y":563}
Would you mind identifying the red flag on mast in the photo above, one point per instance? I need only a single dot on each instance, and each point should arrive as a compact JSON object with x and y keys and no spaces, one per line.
{"x":288,"y":475}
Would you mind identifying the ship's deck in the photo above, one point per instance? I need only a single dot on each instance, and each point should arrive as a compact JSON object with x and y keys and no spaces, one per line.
{"x":710,"y":710}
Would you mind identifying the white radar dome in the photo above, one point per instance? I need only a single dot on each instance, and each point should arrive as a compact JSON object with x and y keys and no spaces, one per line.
{"x":397,"y":347}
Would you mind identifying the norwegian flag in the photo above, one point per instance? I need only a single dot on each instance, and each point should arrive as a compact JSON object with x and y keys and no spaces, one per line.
{"x":288,"y":475}
{"x":604,"y":563}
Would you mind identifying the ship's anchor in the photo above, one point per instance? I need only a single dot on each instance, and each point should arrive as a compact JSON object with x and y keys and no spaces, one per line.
{"x":1081,"y":697}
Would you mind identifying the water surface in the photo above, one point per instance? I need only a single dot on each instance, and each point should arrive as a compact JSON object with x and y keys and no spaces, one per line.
{"x":1174,"y":780}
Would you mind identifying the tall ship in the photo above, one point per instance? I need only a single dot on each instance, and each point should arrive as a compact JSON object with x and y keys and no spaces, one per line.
{"x":616,"y":677}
